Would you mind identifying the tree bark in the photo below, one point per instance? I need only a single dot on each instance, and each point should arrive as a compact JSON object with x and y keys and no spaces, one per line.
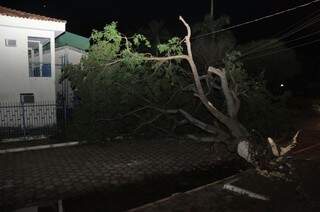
{"x":229,"y":121}
{"x":233,"y":125}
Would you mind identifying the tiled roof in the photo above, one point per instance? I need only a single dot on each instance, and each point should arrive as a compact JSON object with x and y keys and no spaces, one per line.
{"x":74,"y":40}
{"x":20,"y":14}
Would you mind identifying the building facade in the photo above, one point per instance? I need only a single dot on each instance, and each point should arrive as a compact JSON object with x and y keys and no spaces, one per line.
{"x":25,"y":76}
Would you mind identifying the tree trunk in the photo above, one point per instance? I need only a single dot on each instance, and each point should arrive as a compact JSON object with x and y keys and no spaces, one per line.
{"x":230,"y":122}
{"x":233,"y":125}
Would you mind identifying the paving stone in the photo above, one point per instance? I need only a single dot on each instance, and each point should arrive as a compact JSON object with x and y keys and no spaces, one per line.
{"x":36,"y":176}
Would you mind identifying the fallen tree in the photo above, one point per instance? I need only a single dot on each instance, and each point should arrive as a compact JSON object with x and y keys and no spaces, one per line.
{"x":224,"y":125}
{"x":229,"y":120}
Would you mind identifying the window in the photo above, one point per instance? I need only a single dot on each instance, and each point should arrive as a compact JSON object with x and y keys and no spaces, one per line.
{"x":64,"y":60}
{"x":39,"y":70}
{"x":11,"y":43}
{"x":46,"y":70}
{"x":27,"y":98}
{"x":39,"y":57}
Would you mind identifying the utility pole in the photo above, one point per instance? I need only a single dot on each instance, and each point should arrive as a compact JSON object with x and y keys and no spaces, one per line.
{"x":212,"y":9}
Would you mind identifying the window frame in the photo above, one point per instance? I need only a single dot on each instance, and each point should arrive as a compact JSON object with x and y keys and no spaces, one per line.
{"x":28,"y":95}
{"x":7,"y":43}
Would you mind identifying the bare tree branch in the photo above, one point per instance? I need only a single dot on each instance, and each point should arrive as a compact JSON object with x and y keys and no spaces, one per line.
{"x":175,"y":57}
{"x":196,"y":122}
{"x":134,"y":93}
{"x":279,"y":152}
{"x":235,"y":128}
{"x":113,"y":63}
{"x":231,"y":99}
{"x":237,"y":102}
{"x":226,"y":120}
{"x":285,"y":150}
{"x":148,"y":122}
{"x":126,"y":115}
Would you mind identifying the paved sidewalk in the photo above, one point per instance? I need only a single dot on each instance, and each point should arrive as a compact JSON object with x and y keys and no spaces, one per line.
{"x":24,"y":144}
{"x":301,"y":195}
{"x":32,"y":177}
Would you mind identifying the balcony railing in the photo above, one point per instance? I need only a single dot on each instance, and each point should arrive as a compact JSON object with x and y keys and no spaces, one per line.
{"x":39,"y":69}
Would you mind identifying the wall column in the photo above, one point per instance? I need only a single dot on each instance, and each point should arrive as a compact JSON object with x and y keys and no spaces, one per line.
{"x":53,"y":62}
{"x":40,"y":57}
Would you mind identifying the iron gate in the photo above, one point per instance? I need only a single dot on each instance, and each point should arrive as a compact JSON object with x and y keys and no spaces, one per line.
{"x":40,"y":118}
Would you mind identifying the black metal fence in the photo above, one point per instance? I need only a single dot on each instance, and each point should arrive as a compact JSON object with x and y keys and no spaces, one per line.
{"x":40,"y":118}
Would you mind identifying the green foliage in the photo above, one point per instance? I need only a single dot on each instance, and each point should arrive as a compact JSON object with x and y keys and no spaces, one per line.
{"x":236,"y":73}
{"x":139,"y":39}
{"x":260,"y":109}
{"x":156,"y":32}
{"x":118,"y":89}
{"x":263,"y":112}
{"x":114,"y":80}
{"x":172,"y":47}
{"x":109,"y":34}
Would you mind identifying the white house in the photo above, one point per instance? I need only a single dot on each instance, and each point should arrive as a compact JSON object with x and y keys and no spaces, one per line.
{"x":24,"y":75}
{"x":70,"y":48}
{"x":22,"y":36}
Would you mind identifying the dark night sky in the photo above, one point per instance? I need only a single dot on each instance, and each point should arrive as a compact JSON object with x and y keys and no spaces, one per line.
{"x":83,"y":16}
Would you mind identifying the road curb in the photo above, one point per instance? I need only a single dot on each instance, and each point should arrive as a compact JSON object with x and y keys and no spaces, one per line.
{"x":39,"y":147}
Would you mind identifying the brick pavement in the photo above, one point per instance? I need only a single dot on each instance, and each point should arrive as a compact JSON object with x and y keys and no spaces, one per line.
{"x":29,"y":178}
{"x":303,"y":195}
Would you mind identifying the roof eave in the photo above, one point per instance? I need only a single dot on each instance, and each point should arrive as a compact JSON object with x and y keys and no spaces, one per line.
{"x":18,"y":22}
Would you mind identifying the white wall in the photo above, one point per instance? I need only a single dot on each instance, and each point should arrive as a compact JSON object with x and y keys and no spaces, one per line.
{"x":73,"y":56}
{"x":14,"y":78}
{"x":14,"y":69}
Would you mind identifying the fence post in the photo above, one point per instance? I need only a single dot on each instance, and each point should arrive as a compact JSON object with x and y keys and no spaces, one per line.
{"x":64,"y":113}
{"x":23,"y":120}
